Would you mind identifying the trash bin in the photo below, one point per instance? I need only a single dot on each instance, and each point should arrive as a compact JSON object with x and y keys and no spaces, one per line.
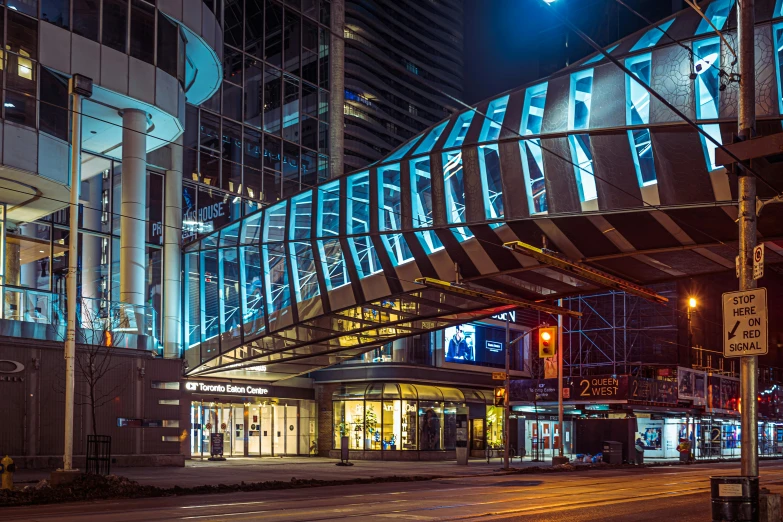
{"x":613,"y":452}
{"x":735,"y":498}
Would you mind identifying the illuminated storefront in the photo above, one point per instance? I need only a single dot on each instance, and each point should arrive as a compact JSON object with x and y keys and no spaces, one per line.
{"x":397,"y":417}
{"x":255,"y":419}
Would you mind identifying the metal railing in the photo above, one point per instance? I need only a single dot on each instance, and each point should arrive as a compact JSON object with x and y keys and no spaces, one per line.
{"x":34,"y":314}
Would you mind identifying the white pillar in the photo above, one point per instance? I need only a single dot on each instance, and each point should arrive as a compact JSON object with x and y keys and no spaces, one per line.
{"x":133,"y":207}
{"x":172,"y":255}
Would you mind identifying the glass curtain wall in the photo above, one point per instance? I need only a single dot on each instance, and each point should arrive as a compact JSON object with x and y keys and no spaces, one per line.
{"x":264,"y":135}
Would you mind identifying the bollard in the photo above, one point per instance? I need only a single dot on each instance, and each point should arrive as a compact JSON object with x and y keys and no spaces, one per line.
{"x":735,"y":499}
{"x":769,"y":506}
{"x":8,"y":467}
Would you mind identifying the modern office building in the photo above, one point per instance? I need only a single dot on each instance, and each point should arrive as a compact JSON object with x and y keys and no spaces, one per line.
{"x":283,"y":323}
{"x":403,"y":72}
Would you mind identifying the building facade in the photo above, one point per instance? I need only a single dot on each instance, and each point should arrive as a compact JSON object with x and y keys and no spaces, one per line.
{"x":248,"y":296}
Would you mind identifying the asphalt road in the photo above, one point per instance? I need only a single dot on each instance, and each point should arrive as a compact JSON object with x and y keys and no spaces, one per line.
{"x":654,"y":494}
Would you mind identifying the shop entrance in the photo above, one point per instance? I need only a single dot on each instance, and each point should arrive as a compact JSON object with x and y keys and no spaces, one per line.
{"x":249,"y":430}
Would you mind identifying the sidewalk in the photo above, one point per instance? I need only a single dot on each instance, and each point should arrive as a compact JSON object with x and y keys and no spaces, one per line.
{"x":236,"y":470}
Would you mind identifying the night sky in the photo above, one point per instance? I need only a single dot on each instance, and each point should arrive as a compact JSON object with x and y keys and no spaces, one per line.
{"x":499,"y":38}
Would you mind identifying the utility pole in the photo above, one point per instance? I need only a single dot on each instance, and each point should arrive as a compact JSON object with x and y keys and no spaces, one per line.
{"x":79,"y":86}
{"x":560,"y":383}
{"x":507,"y":399}
{"x":747,"y":229}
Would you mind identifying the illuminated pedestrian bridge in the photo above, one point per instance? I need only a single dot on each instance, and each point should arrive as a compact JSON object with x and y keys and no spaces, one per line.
{"x":585,"y":163}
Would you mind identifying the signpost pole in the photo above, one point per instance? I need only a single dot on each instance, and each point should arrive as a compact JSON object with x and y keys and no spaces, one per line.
{"x":560,"y":382}
{"x":747,"y":229}
{"x":507,"y":399}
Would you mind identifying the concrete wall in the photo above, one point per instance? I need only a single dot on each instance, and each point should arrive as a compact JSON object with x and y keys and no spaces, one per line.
{"x":32,"y":386}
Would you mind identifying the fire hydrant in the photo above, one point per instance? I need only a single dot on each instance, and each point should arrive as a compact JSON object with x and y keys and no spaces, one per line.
{"x":8,"y":467}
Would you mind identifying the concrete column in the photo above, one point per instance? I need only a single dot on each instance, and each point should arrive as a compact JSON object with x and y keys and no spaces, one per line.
{"x":172,"y":255}
{"x":133,"y":207}
{"x":337,"y":89}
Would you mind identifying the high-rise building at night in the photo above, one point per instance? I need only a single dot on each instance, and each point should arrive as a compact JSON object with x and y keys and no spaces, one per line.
{"x":403,"y":63}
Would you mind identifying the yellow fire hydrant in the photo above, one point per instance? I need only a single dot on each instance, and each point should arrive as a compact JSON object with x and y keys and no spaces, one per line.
{"x":8,"y":467}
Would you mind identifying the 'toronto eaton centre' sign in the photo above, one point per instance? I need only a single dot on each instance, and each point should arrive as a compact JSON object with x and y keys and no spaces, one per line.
{"x":225,"y":388}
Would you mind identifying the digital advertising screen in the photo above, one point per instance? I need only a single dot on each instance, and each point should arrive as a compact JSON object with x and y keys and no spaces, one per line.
{"x":475,"y":344}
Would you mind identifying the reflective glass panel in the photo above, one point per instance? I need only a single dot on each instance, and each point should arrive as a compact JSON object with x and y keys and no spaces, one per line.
{"x":421,"y":203}
{"x":302,"y":260}
{"x":402,"y":151}
{"x":230,"y":312}
{"x":358,"y":223}
{"x":652,"y":37}
{"x":278,"y":295}
{"x":707,"y":68}
{"x":253,"y":291}
{"x":581,"y":93}
{"x":333,"y":263}
{"x":582,"y":157}
{"x":533,"y":170}
{"x":431,"y":139}
{"x":533,"y":110}
{"x":717,"y":13}
{"x":390,"y":213}
{"x":328,"y":223}
{"x":460,"y":129}
{"x":492,"y":184}
{"x":493,"y":122}
{"x":638,"y":113}
{"x":455,"y":188}
{"x":598,"y":57}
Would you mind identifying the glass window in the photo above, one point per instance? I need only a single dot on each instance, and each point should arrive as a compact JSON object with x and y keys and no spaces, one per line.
{"x":22,"y":37}
{"x":638,"y":113}
{"x":598,"y":57}
{"x":582,"y":158}
{"x":54,"y":104}
{"x":328,"y":225}
{"x":493,"y":122}
{"x":86,"y":18}
{"x":273,"y":94}
{"x":192,"y":304}
{"x":292,"y":41}
{"x":142,"y":33}
{"x":491,"y":182}
{"x":430,"y":426}
{"x":323,"y":58}
{"x":778,"y":33}
{"x":57,"y":12}
{"x":273,"y":156}
{"x":707,"y":68}
{"x":652,"y":37}
{"x":253,"y":291}
{"x":210,"y":292}
{"x":302,"y":261}
{"x":358,"y":221}
{"x":460,"y":129}
{"x":390,"y":213}
{"x":27,"y":256}
{"x":210,"y":131}
{"x":291,"y":162}
{"x":421,"y":203}
{"x":115,"y":24}
{"x":28,"y":7}
{"x":432,"y":138}
{"x":273,"y":41}
{"x":253,"y":98}
{"x":19,"y":108}
{"x":233,"y":22}
{"x":230,"y":311}
{"x":291,"y":108}
{"x":168,"y":38}
{"x":254,"y":27}
{"x":392,"y":426}
{"x":275,"y":269}
{"x":232,"y":101}
{"x":455,"y":188}
{"x":532,"y":158}
{"x":581,"y":91}
{"x":717,"y":13}
{"x":309,"y":100}
{"x":21,"y":75}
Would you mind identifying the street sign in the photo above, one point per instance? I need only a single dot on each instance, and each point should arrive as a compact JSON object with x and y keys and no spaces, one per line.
{"x":758,"y":261}
{"x":745,"y":323}
{"x":498,"y":376}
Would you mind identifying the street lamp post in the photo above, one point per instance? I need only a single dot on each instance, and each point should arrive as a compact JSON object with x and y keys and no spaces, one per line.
{"x":691,"y":308}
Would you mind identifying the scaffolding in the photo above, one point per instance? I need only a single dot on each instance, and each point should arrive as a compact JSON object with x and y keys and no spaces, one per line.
{"x":619,"y":333}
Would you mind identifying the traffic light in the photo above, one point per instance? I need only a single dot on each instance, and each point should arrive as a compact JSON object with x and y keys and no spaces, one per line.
{"x":547,"y":342}
{"x":500,"y":396}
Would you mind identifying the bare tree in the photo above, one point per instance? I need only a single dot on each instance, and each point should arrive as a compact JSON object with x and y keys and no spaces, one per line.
{"x":100,"y":329}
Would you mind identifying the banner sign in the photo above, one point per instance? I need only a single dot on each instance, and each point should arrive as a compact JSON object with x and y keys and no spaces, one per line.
{"x":722,"y":394}
{"x":595,"y":389}
{"x":692,"y":386}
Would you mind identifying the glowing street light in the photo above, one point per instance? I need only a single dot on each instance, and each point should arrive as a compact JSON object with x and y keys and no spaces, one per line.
{"x":692,"y":302}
